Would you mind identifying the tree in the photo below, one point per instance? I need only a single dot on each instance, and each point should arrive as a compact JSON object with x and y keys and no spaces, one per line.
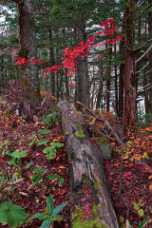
{"x":129,"y":79}
{"x":27,"y":42}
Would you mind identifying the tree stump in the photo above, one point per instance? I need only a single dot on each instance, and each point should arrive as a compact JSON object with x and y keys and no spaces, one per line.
{"x":91,"y":205}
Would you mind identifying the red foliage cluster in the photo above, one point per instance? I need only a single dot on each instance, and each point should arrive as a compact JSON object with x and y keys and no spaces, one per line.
{"x":53,"y":69}
{"x":109,"y":26}
{"x":81,"y":50}
{"x":21,"y":60}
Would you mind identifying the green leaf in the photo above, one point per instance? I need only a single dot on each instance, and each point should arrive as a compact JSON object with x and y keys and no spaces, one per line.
{"x":46,"y":224}
{"x":52,"y":150}
{"x":50,"y":213}
{"x":18,"y":154}
{"x":142,"y":223}
{"x":51,"y":119}
{"x":41,"y":216}
{"x":42,"y":142}
{"x":12,"y":214}
{"x":44,"y":131}
{"x":57,"y":145}
{"x":50,"y":205}
{"x":58,"y":209}
{"x":59,"y":178}
{"x":38,"y":174}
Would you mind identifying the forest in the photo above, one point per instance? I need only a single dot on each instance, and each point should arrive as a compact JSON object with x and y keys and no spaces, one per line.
{"x":76,"y":113}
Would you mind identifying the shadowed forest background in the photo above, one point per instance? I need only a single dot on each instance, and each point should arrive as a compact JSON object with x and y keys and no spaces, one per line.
{"x":76,"y":113}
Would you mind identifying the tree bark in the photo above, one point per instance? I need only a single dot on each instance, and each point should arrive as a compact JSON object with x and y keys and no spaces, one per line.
{"x":52,"y":62}
{"x":100,"y":91}
{"x":83,"y":94}
{"x":116,"y":83}
{"x":150,"y":61}
{"x":129,"y":96}
{"x":108,"y":78}
{"x":27,"y":42}
{"x":90,"y":199}
{"x":129,"y":78}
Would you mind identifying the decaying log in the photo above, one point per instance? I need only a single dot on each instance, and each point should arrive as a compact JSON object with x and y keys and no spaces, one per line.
{"x":110,"y":129}
{"x":90,"y":201}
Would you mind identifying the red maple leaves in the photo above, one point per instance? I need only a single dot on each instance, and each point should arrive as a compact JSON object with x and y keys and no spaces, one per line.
{"x":81,"y":50}
{"x":53,"y":69}
{"x":109,"y":26}
{"x":21,"y":60}
{"x":72,"y":54}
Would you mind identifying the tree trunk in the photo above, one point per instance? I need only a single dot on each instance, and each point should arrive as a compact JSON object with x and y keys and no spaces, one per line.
{"x":122,"y":49}
{"x":129,"y":108}
{"x":129,"y":78}
{"x":52,"y":62}
{"x":27,"y":42}
{"x":150,"y":60}
{"x":116,"y":83}
{"x":108,"y":78}
{"x":83,"y":94}
{"x":100,"y":92}
{"x":90,"y":199}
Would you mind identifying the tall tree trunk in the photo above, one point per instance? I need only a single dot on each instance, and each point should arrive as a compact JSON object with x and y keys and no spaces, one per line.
{"x":100,"y":91}
{"x":27,"y":41}
{"x":52,"y":61}
{"x":150,"y":60}
{"x":82,"y":74}
{"x":129,"y":79}
{"x":129,"y":108}
{"x":121,"y":86}
{"x":116,"y":82}
{"x":108,"y":78}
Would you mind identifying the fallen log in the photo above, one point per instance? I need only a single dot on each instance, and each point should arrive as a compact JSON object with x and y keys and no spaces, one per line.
{"x":91,"y":205}
{"x":108,"y":126}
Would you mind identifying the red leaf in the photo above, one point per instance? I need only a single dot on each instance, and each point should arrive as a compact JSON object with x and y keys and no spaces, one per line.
{"x":21,"y":60}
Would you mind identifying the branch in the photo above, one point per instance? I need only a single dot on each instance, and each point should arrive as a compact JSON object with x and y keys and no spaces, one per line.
{"x":144,"y":54}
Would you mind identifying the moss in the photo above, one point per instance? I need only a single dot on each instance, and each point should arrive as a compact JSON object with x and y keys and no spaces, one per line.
{"x":102,"y":140}
{"x":95,"y":223}
{"x":79,"y":221}
{"x":80,"y":134}
{"x":97,"y":183}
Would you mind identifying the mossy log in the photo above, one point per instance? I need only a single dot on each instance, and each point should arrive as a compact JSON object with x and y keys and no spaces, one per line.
{"x":91,"y":205}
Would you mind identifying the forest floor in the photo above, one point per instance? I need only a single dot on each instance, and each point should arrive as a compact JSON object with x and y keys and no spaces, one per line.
{"x":42,"y":169}
{"x":129,"y":175}
{"x":28,"y":180}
